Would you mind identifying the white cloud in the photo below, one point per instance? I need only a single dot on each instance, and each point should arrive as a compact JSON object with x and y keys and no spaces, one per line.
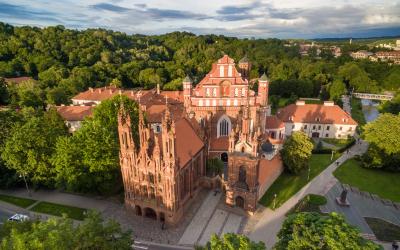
{"x":259,"y":18}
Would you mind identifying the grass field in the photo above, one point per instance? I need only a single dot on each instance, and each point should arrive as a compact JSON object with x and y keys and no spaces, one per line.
{"x":309,"y":203}
{"x":382,"y":183}
{"x":356,"y":111}
{"x":289,"y":184}
{"x":58,"y":210}
{"x":20,"y":202}
{"x":383,"y":230}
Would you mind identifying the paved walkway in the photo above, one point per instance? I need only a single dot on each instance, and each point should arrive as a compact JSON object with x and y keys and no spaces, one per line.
{"x":210,"y":219}
{"x":269,"y":221}
{"x":360,"y":206}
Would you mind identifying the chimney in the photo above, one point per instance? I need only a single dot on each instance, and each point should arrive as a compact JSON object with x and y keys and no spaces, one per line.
{"x":91,"y":90}
{"x":329,"y":103}
{"x":300,"y":103}
{"x":158,"y":88}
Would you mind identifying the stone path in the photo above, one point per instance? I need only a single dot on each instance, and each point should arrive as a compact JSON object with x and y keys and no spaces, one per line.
{"x":270,"y":221}
{"x":360,"y":206}
{"x":210,"y":219}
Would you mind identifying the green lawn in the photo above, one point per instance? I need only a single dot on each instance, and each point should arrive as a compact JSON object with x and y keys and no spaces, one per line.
{"x":383,"y":230}
{"x":20,"y":202}
{"x":382,"y":183}
{"x":288,"y":184}
{"x":309,"y":203}
{"x":58,"y":210}
{"x":356,"y":111}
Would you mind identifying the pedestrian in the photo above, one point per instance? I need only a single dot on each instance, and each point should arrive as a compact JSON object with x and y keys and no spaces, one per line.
{"x":395,"y":246}
{"x":337,"y":163}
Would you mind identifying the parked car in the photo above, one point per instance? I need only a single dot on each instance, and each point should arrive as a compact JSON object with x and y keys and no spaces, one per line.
{"x":19,"y":217}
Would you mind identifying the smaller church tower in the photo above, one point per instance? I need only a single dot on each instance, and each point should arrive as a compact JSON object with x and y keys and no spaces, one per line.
{"x":245,"y":67}
{"x":187,"y":91}
{"x":263,"y":85}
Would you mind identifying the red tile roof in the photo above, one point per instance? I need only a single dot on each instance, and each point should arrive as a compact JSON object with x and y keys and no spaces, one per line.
{"x":315,"y":113}
{"x":219,"y":144}
{"x":273,"y":122}
{"x":18,"y":80}
{"x":74,"y":113}
{"x":188,"y":143}
{"x":155,"y":112}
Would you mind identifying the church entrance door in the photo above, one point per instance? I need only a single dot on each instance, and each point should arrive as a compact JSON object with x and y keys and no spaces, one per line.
{"x":239,"y":201}
{"x":150,"y":213}
{"x":224,"y":157}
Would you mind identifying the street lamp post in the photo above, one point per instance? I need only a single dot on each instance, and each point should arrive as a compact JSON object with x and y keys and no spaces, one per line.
{"x":274,"y":200}
{"x":26,"y":183}
{"x":333,"y":151}
{"x":308,"y":174}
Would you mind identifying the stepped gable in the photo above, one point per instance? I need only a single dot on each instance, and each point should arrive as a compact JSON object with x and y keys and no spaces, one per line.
{"x":214,"y":77}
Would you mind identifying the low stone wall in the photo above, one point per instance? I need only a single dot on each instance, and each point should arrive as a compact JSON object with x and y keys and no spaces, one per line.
{"x":375,"y":197}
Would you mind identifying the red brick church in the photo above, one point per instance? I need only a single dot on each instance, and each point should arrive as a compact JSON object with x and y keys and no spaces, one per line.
{"x":219,"y":117}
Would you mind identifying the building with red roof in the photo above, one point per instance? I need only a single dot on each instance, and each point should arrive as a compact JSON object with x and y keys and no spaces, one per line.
{"x":317,"y":120}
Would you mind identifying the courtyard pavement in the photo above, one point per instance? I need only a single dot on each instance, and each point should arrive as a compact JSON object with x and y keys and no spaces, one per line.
{"x":210,"y":219}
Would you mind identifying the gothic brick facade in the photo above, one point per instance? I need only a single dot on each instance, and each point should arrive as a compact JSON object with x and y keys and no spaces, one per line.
{"x":219,"y":117}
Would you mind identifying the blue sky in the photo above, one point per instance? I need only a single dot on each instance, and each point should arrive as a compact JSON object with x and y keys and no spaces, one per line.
{"x":245,"y":18}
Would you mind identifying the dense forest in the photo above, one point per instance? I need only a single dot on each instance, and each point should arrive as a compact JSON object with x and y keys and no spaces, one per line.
{"x":65,"y":62}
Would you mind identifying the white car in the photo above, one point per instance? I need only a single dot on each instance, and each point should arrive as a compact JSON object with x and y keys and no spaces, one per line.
{"x":19,"y":217}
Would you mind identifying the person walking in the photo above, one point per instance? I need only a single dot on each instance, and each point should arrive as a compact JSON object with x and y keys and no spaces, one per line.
{"x":395,"y":245}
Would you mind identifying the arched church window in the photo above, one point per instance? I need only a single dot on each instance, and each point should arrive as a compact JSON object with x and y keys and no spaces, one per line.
{"x":224,"y":126}
{"x":214,"y":92}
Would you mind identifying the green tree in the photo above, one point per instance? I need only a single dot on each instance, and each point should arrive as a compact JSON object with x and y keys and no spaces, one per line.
{"x":61,"y":233}
{"x":357,"y":77}
{"x":296,"y":152}
{"x":232,"y":241}
{"x":88,"y":161}
{"x":314,"y":231}
{"x":392,"y":106}
{"x":8,"y":118}
{"x":3,"y":92}
{"x":28,"y":94}
{"x":31,"y":144}
{"x":383,"y":135}
{"x":215,"y":166}
{"x":337,"y":89}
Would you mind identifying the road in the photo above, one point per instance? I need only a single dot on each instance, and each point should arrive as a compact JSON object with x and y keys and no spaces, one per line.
{"x":139,"y":245}
{"x":4,"y":215}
